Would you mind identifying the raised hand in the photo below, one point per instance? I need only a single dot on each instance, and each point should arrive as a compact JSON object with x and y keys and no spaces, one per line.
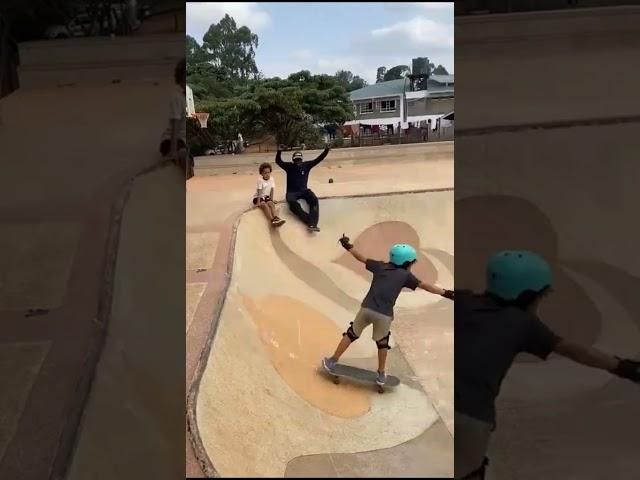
{"x":344,"y":241}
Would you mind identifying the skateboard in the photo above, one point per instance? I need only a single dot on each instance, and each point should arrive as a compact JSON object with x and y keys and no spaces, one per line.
{"x":359,"y":374}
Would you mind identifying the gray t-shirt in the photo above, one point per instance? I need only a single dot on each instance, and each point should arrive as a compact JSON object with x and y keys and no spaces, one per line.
{"x":488,"y":338}
{"x":388,"y":281}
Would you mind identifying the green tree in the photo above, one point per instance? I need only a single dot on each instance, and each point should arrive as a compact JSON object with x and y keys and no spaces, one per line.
{"x":396,"y":73}
{"x":207,"y":80}
{"x":291,"y":109}
{"x":344,"y":78}
{"x":439,"y":70}
{"x":380,"y":74}
{"x":231,"y":48}
{"x":357,"y":83}
{"x":227,"y":117}
{"x":195,"y":53}
{"x":349,"y":81}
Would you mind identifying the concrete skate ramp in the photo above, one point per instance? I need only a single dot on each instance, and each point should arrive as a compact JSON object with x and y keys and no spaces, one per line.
{"x":264,"y":410}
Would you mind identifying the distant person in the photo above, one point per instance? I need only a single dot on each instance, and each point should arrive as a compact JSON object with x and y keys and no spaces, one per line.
{"x":389,"y":278}
{"x":240,"y":143}
{"x":173,"y":142}
{"x":490,"y":330}
{"x":265,"y":191}
{"x":297,"y":189}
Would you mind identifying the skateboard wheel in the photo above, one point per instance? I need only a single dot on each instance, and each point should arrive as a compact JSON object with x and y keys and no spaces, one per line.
{"x":336,"y":380}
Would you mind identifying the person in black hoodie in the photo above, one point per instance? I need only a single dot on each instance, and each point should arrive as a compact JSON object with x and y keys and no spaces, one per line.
{"x":297,"y":179}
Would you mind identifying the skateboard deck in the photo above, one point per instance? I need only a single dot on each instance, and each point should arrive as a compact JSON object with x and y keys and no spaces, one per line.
{"x":360,"y":374}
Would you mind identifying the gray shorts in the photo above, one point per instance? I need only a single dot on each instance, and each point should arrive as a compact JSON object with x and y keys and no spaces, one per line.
{"x":471,"y":442}
{"x":381,"y":323}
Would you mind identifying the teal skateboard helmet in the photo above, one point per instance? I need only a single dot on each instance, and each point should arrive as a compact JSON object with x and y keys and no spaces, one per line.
{"x":513,"y":272}
{"x":401,"y":253}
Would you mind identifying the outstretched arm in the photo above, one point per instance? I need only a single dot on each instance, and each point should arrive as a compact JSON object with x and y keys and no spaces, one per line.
{"x":588,"y":356}
{"x":320,"y":157}
{"x":348,"y":246}
{"x":432,"y":289}
{"x":357,"y":255}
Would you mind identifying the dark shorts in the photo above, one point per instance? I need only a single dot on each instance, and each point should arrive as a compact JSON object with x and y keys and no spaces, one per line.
{"x":165,"y":146}
{"x":266,"y":198}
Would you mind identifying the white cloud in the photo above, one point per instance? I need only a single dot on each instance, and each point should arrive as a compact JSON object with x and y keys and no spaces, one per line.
{"x":427,"y":30}
{"x":302,"y":55}
{"x":419,"y":31}
{"x":398,"y":43}
{"x":338,"y":63}
{"x":433,"y":7}
{"x":200,"y":16}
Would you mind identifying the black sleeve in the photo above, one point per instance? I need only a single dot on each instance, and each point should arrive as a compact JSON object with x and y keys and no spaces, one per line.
{"x":279,"y":161}
{"x":320,"y":157}
{"x":373,"y":265}
{"x":540,"y":340}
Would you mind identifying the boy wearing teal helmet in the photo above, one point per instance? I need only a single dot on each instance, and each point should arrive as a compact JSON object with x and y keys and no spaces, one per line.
{"x":389,"y":278}
{"x":490,"y":330}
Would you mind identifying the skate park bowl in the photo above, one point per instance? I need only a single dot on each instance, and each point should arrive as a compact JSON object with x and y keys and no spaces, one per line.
{"x":556,"y":174}
{"x":262,"y":408}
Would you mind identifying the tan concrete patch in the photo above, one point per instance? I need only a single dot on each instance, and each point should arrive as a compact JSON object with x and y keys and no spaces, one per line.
{"x":296,"y":337}
{"x":430,"y":455}
{"x":244,"y":406}
{"x":35,"y":263}
{"x":201,"y":249}
{"x":427,"y":340}
{"x":194,"y":295}
{"x":19,"y":366}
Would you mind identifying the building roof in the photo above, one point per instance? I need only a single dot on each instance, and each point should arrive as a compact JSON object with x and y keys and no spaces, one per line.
{"x":437,"y":85}
{"x":382,"y":89}
{"x":442,"y":78}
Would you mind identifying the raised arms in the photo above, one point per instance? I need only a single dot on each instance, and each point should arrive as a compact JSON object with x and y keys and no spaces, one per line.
{"x":320,"y":157}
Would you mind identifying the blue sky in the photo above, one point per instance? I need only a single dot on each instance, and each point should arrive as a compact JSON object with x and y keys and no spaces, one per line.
{"x":326,"y":37}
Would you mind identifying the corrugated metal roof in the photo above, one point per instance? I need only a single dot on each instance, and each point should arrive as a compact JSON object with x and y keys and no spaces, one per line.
{"x":397,"y":87}
{"x":442,"y":78}
{"x":382,"y":89}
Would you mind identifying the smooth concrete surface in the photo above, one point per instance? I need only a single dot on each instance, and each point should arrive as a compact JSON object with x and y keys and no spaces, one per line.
{"x":212,"y":164}
{"x":194,"y":295}
{"x":261,"y":385}
{"x":98,"y":60}
{"x":57,"y":193}
{"x":201,"y":249}
{"x":565,"y":47}
{"x":569,"y":193}
{"x":131,"y":411}
{"x":426,"y":452}
{"x":20,"y":364}
{"x":36,"y":274}
{"x":214,"y":203}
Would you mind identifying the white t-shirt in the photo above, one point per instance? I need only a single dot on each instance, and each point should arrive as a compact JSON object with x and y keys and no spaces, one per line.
{"x":177,"y":111}
{"x":264,"y":187}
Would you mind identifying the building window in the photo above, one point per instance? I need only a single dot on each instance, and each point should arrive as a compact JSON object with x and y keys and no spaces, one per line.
{"x":388,"y":106}
{"x":366,"y":107}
